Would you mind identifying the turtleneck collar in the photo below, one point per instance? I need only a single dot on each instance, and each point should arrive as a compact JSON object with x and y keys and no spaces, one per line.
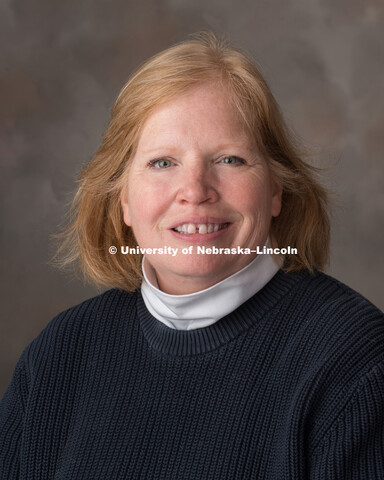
{"x":204,"y":308}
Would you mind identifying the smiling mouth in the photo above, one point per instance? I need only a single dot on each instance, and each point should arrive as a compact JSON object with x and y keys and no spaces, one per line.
{"x":200,"y":228}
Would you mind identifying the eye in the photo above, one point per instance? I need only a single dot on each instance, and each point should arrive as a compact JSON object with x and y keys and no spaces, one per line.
{"x":232,"y":160}
{"x":160,"y":163}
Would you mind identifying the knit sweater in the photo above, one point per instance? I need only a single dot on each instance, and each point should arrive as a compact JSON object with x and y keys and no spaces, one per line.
{"x":288,"y":386}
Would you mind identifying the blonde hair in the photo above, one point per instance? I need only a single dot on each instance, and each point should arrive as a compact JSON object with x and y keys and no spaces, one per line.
{"x":96,"y":214}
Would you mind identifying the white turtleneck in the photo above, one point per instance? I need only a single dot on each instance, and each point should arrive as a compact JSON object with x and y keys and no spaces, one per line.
{"x":203,"y":308}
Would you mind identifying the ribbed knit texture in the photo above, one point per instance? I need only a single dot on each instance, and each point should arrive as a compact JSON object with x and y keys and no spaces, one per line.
{"x":288,"y":386}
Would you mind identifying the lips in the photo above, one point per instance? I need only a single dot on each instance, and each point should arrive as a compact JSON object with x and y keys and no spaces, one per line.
{"x":200,"y":228}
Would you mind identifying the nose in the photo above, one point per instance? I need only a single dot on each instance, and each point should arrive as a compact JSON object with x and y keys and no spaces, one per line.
{"x":197,"y":185}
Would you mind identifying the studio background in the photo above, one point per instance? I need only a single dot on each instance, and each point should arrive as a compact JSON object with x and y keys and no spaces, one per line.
{"x":62,"y":66}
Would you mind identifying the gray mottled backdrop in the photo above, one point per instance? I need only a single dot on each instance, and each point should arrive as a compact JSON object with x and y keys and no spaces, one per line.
{"x":62,"y":65}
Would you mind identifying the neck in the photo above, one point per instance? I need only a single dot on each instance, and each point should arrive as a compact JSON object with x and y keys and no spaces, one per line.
{"x":183,"y":284}
{"x":205,"y":307}
{"x":186,"y":285}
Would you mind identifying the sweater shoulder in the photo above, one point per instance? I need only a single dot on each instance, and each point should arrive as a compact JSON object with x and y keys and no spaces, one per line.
{"x":326,"y":310}
{"x":81,"y":324}
{"x":96,"y":308}
{"x":327,"y":295}
{"x":333,"y":341}
{"x":340,"y":316}
{"x":336,"y":332}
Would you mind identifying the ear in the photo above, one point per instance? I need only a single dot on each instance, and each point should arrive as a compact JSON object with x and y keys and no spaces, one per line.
{"x":277,"y":193}
{"x":125,"y":208}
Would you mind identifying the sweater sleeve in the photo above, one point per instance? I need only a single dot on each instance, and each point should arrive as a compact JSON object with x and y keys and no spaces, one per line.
{"x":12,"y":409}
{"x":353,"y":446}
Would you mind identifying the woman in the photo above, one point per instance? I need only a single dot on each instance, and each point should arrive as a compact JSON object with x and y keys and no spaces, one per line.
{"x":211,"y":359}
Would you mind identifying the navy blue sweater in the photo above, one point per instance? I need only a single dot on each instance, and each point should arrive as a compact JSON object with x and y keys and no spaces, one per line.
{"x":288,"y":386}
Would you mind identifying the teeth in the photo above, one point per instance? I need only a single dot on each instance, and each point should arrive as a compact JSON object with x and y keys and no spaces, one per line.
{"x":202,"y":228}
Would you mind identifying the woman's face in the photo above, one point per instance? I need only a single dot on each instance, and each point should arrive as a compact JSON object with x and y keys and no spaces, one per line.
{"x":197,"y":179}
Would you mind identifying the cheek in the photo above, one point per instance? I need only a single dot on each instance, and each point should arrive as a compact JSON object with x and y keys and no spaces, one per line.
{"x":252,"y":199}
{"x":145,"y":207}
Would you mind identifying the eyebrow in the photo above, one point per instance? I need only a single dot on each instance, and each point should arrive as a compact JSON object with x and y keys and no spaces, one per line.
{"x":219,"y":148}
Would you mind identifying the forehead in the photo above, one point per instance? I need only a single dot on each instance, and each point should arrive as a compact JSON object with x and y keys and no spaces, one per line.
{"x":204,"y":112}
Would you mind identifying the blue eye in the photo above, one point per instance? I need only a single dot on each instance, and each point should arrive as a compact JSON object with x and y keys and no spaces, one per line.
{"x":232,"y":160}
{"x":160,"y":163}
